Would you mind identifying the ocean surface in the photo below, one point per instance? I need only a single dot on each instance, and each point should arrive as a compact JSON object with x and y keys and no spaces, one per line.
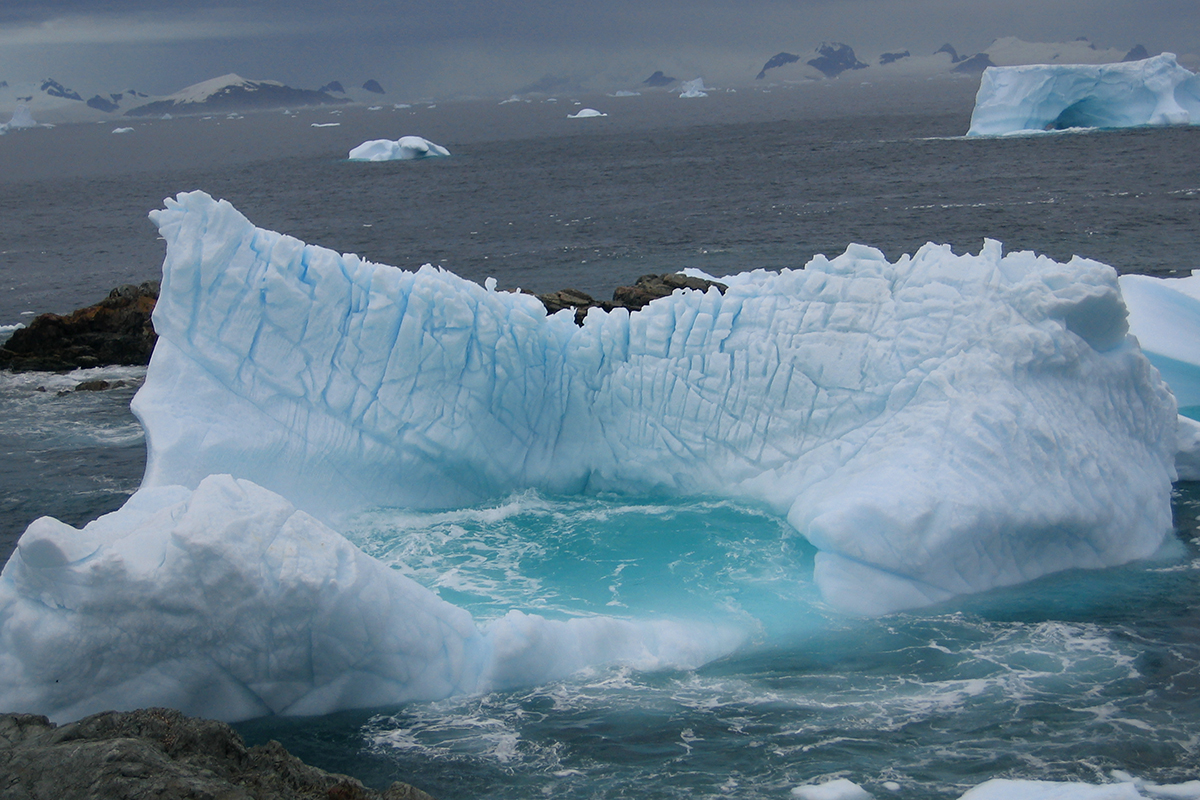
{"x":1067,"y":678}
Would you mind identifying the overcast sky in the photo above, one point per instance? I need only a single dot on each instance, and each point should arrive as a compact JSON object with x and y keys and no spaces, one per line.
{"x":439,"y":47}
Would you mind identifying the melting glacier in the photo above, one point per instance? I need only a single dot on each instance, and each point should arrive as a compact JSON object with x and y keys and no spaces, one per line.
{"x":936,"y":426}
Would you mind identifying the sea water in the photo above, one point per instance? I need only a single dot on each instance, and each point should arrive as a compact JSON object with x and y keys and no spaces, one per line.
{"x":1067,"y":678}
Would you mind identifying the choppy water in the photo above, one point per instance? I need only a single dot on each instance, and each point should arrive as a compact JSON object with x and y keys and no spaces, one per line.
{"x":1067,"y":678}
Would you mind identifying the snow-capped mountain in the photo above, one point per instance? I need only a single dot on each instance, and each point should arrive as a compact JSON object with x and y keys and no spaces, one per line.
{"x":233,"y":93}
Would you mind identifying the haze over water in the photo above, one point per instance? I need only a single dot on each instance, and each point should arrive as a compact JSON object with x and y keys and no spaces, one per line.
{"x":1068,"y":678}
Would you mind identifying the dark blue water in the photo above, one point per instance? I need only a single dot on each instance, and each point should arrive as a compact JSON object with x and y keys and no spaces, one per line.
{"x":1067,"y":678}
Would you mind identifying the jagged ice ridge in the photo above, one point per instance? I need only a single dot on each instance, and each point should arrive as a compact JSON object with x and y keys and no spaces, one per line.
{"x":934,"y":426}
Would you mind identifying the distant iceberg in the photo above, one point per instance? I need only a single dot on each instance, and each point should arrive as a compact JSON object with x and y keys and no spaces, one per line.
{"x":585,"y":113}
{"x":405,"y":148}
{"x":693,"y":88}
{"x":1155,"y":91}
{"x":21,"y":118}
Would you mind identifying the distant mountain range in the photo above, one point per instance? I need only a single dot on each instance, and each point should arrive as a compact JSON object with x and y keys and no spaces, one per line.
{"x":831,"y":59}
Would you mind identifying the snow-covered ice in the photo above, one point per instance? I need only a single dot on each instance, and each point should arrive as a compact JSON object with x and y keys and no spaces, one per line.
{"x":1164,"y":314}
{"x":838,"y":789}
{"x":693,"y":88}
{"x":122,"y":130}
{"x":1154,"y":91}
{"x":584,"y":113}
{"x":403,"y":149}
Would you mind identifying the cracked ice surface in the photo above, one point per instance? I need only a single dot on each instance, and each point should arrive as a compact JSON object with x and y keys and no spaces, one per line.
{"x":940,"y":425}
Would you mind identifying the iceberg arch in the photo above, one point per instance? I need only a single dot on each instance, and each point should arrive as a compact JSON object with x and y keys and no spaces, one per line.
{"x":1037,"y":97}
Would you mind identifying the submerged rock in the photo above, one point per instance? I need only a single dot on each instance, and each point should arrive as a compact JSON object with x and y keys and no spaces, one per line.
{"x":157,"y":753}
{"x":115,"y":331}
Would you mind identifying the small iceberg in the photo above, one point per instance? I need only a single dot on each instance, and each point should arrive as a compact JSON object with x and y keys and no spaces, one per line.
{"x":122,"y":130}
{"x":405,"y":148}
{"x":584,"y":113}
{"x":21,"y":118}
{"x":694,"y":88}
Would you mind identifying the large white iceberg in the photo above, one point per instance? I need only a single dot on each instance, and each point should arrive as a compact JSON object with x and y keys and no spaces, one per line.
{"x":405,"y":148}
{"x":227,"y":602}
{"x":939,"y":425}
{"x":1154,"y":91}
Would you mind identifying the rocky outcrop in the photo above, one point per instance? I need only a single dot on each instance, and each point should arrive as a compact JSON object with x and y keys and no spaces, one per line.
{"x":646,"y":289}
{"x":777,"y":60}
{"x":659,"y":79}
{"x":974,"y":65}
{"x":834,"y":58}
{"x":892,"y":58}
{"x":1137,"y":53}
{"x":160,"y":753}
{"x":373,"y":86}
{"x":117,"y":330}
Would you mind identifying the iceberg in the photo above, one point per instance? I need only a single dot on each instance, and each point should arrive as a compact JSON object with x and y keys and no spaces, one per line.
{"x":938,"y":425}
{"x":21,"y":118}
{"x":935,"y":426}
{"x":693,"y":88}
{"x":225,"y":601}
{"x":585,"y":113}
{"x":403,"y":149}
{"x":1154,"y":91}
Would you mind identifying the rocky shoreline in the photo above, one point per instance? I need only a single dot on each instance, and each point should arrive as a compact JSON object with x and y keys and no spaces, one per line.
{"x":160,"y":753}
{"x":118,"y":330}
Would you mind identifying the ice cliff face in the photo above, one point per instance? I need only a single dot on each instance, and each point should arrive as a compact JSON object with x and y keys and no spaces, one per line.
{"x":940,"y":425}
{"x":1155,"y":91}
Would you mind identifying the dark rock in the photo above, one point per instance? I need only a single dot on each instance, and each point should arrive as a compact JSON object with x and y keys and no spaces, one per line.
{"x":891,"y":58}
{"x":658,"y":79}
{"x":954,"y":56}
{"x":1136,"y":53}
{"x":117,"y":330}
{"x":834,"y":58}
{"x":373,"y":86}
{"x":56,"y":89}
{"x":333,"y":86}
{"x":244,"y":96}
{"x":777,"y":60}
{"x":976,"y":64}
{"x":634,"y":298}
{"x":3,"y":84}
{"x":99,"y":386}
{"x":102,"y":104}
{"x":160,"y":753}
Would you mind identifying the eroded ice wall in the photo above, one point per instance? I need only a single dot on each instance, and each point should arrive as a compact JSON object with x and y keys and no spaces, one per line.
{"x":940,"y":425}
{"x":1037,"y":97}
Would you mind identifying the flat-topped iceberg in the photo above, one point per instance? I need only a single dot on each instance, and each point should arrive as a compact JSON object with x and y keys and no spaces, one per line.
{"x":1154,"y":91}
{"x":939,"y":425}
{"x":403,"y":149}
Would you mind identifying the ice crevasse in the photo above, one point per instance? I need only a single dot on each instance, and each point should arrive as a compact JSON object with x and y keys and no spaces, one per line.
{"x":1037,"y":97}
{"x":939,"y":425}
